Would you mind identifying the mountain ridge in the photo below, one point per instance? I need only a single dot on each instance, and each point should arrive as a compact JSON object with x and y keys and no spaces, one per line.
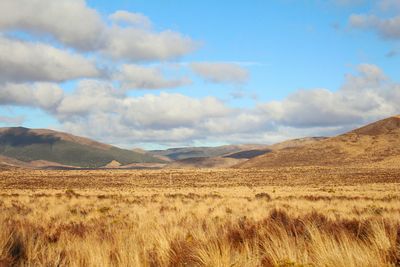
{"x":376,"y":143}
{"x":38,"y":146}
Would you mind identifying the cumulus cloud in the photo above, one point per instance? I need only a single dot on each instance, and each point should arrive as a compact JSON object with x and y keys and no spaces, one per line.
{"x":219,"y":72}
{"x":42,"y":95}
{"x":23,"y":62}
{"x":388,"y":28}
{"x":389,"y":4}
{"x":164,"y":110}
{"x":367,"y":96}
{"x":136,"y":44}
{"x":172,"y":110}
{"x":98,"y":109}
{"x":130,"y":18}
{"x":76,"y":25}
{"x":139,"y":77}
{"x":70,"y":21}
{"x":89,"y":96}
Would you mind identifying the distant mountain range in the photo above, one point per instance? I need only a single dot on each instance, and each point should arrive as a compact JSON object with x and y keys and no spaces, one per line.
{"x":202,"y":152}
{"x":377,"y":143}
{"x":224,"y":156}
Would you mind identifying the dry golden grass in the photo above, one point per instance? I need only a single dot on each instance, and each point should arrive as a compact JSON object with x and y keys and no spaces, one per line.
{"x":276,"y":217}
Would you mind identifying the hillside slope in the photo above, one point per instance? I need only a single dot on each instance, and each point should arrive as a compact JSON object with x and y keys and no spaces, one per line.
{"x":377,"y":143}
{"x":204,"y":162}
{"x":203,"y":152}
{"x":242,"y":154}
{"x":31,"y":145}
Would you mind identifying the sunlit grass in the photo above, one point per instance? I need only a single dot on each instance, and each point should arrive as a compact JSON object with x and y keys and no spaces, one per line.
{"x":129,"y":219}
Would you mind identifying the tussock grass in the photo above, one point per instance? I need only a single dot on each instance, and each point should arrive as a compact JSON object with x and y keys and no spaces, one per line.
{"x":131,"y":221}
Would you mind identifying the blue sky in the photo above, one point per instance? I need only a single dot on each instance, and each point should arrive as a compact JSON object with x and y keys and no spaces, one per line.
{"x":262,"y":62}
{"x":284,"y":38}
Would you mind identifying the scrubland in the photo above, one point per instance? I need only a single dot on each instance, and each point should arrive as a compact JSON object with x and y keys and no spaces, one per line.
{"x":310,"y":216}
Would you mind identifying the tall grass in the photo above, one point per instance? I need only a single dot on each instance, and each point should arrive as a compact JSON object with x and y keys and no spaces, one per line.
{"x":278,"y":240}
{"x":208,"y":225}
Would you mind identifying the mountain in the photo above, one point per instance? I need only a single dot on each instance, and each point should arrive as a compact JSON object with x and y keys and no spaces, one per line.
{"x":10,"y":163}
{"x":248,"y":154}
{"x":202,"y":152}
{"x":241,"y":154}
{"x":42,"y":147}
{"x":204,"y":162}
{"x":377,"y":143}
{"x":296,"y":142}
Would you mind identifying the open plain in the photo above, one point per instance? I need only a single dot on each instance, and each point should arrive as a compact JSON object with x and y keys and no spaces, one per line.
{"x":294,"y":216}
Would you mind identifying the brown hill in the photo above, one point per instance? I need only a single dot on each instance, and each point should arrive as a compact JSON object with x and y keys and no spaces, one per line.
{"x":10,"y":163}
{"x":41,"y":147}
{"x":204,"y":162}
{"x":296,"y":142}
{"x":248,"y":154}
{"x":242,"y":154}
{"x":181,"y":153}
{"x":382,"y":127}
{"x":55,"y":134}
{"x":377,"y":143}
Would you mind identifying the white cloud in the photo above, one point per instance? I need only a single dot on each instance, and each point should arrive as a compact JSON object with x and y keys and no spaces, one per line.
{"x":70,"y":21}
{"x":367,"y":96}
{"x":89,"y":96}
{"x":22,"y":61}
{"x":139,"y":77}
{"x":42,"y":95}
{"x":166,"y":111}
{"x":220,"y":72}
{"x":74,"y":24}
{"x":135,"y":19}
{"x":158,"y":111}
{"x":387,"y":28}
{"x":97,"y":109}
{"x":136,"y":44}
{"x":387,"y":5}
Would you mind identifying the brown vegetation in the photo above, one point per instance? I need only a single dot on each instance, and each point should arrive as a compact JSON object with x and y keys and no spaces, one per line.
{"x":278,"y":217}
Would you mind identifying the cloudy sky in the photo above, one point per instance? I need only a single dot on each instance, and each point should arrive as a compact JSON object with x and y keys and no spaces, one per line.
{"x":159,"y":74}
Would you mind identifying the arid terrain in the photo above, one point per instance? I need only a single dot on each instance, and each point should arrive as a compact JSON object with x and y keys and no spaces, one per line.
{"x":199,"y":133}
{"x":288,"y":216}
{"x":304,"y":202}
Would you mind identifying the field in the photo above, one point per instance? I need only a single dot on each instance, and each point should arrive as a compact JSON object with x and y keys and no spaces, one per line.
{"x":308,"y":216}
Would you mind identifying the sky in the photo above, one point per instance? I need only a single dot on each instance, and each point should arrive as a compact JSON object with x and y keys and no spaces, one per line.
{"x":159,"y":74}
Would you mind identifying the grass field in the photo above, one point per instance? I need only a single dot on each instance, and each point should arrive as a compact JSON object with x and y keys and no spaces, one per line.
{"x":276,"y":217}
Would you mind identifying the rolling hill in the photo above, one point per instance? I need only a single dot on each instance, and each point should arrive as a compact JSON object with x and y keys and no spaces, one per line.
{"x":375,"y":144}
{"x":202,"y":152}
{"x":204,"y":162}
{"x":42,"y":147}
{"x":241,"y":154}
